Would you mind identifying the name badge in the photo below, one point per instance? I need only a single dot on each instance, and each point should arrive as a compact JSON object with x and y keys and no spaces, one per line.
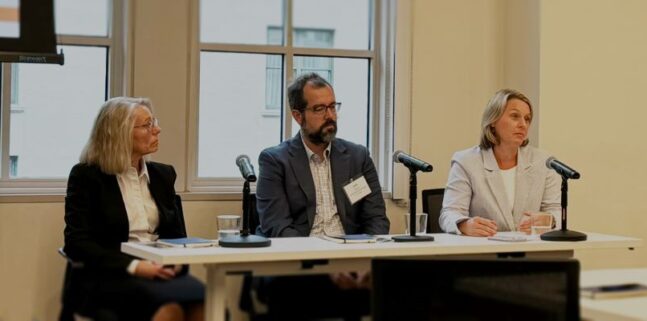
{"x":357,"y":189}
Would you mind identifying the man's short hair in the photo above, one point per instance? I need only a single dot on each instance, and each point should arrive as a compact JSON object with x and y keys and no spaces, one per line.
{"x":295,"y":90}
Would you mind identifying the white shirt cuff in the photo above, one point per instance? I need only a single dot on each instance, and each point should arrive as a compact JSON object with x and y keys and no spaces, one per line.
{"x":132,"y":266}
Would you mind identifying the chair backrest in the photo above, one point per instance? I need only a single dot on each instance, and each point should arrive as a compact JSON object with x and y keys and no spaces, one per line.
{"x":178,"y":204}
{"x":432,"y":203}
{"x":72,"y":296}
{"x":67,"y":297}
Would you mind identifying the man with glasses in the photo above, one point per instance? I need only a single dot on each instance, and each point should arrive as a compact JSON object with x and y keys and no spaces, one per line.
{"x":316,"y":184}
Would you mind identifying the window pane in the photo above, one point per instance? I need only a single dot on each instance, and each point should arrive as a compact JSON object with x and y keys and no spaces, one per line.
{"x":236,"y":21}
{"x":54,"y":110}
{"x":233,"y":118}
{"x":349,"y":78}
{"x":347,"y":20}
{"x":82,"y":17}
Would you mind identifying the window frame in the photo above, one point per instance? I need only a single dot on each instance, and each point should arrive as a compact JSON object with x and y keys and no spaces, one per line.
{"x":116,"y":84}
{"x":380,"y":55}
{"x":276,"y":111}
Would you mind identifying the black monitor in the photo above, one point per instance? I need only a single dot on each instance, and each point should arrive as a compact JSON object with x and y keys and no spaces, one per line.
{"x":470,"y":290}
{"x":27,"y":32}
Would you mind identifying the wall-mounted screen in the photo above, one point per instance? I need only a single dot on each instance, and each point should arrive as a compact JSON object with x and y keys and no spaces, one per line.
{"x":27,"y":32}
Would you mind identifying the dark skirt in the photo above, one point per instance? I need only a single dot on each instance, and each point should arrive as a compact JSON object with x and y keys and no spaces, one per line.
{"x":135,"y":298}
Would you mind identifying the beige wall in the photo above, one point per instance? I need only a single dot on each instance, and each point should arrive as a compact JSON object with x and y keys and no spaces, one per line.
{"x":574,"y":58}
{"x":593,"y":71}
{"x":457,"y":64}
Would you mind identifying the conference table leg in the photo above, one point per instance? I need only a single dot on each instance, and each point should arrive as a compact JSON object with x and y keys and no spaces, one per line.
{"x":216,"y":293}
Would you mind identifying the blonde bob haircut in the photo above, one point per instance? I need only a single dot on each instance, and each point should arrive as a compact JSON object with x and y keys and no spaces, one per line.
{"x":493,"y":112}
{"x":111,"y":140}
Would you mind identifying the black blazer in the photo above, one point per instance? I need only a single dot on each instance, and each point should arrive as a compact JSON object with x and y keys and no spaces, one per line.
{"x":286,"y":197}
{"x":96,"y":222}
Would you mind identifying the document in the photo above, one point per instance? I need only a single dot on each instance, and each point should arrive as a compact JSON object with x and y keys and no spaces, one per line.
{"x":350,"y":238}
{"x":509,"y":237}
{"x":186,"y":242}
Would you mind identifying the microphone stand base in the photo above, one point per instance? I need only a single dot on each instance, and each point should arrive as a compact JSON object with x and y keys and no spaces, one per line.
{"x":563,"y":235}
{"x":414,"y":238}
{"x":244,"y":241}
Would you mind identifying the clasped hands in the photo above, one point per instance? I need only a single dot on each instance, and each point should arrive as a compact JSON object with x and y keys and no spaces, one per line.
{"x":152,"y":270}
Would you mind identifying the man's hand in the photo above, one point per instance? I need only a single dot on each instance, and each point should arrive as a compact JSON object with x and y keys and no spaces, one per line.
{"x":478,"y":226}
{"x":150,"y":270}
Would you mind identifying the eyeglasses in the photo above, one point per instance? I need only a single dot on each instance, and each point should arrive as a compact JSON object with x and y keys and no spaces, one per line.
{"x":150,"y":124}
{"x":320,"y":110}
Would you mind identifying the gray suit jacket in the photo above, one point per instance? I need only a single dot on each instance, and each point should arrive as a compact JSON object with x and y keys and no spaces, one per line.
{"x":285,"y":192}
{"x":475,"y":188}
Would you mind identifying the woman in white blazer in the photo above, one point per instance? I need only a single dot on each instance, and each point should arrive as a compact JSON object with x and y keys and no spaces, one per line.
{"x":496,"y":185}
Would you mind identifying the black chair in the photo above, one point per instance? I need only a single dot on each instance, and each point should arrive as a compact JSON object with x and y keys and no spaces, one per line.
{"x":73,"y":295}
{"x":432,"y":203}
{"x":70,"y":294}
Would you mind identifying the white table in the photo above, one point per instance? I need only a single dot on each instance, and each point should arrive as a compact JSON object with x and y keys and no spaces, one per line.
{"x":316,"y":256}
{"x":620,"y":309}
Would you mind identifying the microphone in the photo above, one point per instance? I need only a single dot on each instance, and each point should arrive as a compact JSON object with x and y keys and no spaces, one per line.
{"x":411,"y":162}
{"x":246,"y":168}
{"x":561,"y":168}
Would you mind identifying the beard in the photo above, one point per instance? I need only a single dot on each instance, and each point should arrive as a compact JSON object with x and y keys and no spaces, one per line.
{"x":321,"y":136}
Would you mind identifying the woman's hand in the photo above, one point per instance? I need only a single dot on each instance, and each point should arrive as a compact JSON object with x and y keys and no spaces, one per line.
{"x":477,"y":226}
{"x":151,"y":270}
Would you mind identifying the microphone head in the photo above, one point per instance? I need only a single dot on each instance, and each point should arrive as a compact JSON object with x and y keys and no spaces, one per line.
{"x":549,"y":161}
{"x":241,"y":157}
{"x":396,"y":155}
{"x":561,"y":168}
{"x":246,"y":168}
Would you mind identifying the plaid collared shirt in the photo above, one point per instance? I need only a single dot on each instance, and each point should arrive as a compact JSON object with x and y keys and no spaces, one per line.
{"x":327,"y":219}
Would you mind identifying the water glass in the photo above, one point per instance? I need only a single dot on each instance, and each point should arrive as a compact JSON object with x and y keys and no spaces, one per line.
{"x":421,"y":223}
{"x":540,"y":223}
{"x":228,"y":225}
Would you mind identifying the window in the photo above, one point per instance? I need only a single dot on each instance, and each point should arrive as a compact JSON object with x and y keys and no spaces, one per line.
{"x":302,"y":37}
{"x":48,"y":110}
{"x":244,"y":58}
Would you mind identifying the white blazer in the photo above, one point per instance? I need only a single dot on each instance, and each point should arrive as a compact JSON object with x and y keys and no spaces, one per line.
{"x":475,"y":188}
